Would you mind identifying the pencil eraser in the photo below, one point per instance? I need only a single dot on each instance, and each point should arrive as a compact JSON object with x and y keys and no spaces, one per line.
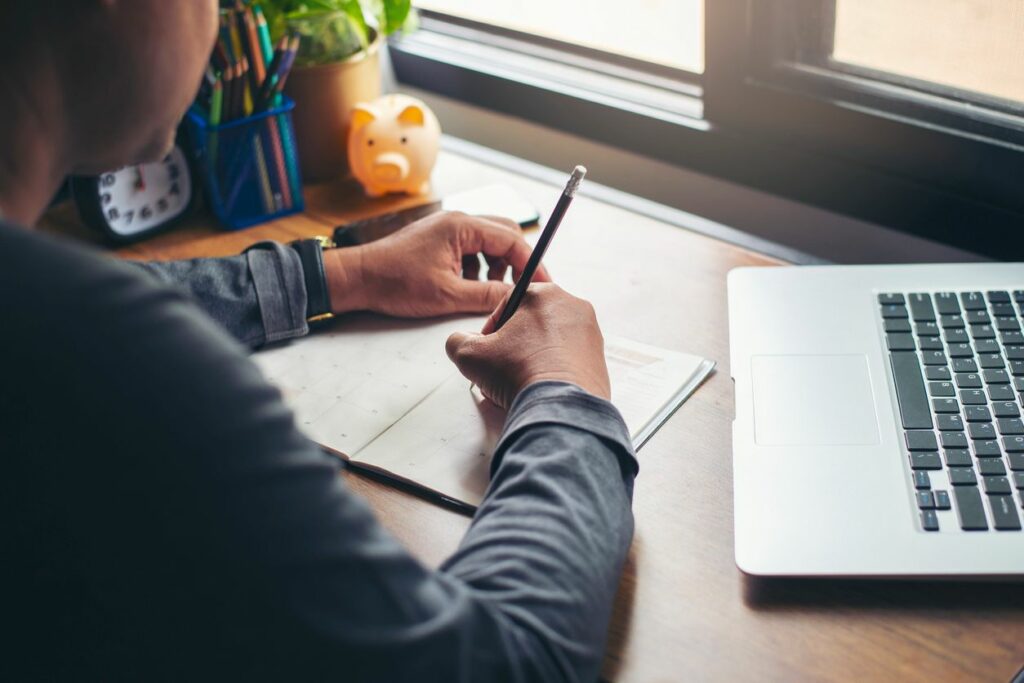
{"x":574,"y":181}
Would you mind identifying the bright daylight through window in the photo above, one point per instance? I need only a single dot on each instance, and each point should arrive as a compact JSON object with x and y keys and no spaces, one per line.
{"x":666,"y":32}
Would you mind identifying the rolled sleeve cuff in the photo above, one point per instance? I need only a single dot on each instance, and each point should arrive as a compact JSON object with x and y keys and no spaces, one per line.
{"x":566,"y":404}
{"x":280,"y":289}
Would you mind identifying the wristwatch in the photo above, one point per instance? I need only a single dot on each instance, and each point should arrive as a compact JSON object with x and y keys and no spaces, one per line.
{"x":318,"y":298}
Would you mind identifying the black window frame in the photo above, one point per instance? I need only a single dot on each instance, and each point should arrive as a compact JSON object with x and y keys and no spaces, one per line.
{"x":769,"y":111}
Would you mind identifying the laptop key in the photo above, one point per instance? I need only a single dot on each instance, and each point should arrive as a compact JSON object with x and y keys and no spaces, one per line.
{"x":964,"y":365}
{"x":937,"y":373}
{"x":929,"y":344}
{"x":921,"y":307}
{"x":956,"y":335}
{"x":995,"y":376}
{"x":904,"y":341}
{"x":929,"y":520}
{"x":963,"y":357}
{"x":921,"y":441}
{"x":920,"y":460}
{"x":941,"y":389}
{"x":897,"y":325}
{"x":1016,"y":462}
{"x":941,"y":500}
{"x":890,"y":298}
{"x":973,"y":397}
{"x":934,"y":357}
{"x":986,"y":346}
{"x":973,"y":301}
{"x":986,"y":448}
{"x":1004,"y":514}
{"x":946,"y":303}
{"x":968,"y":380}
{"x":1000,"y":392}
{"x":1013,"y":444}
{"x":1007,"y":325}
{"x":1017,"y":368}
{"x":910,"y":391}
{"x":925,"y":500}
{"x":953,"y":440}
{"x":978,"y":414}
{"x":981,"y":430}
{"x":949,"y":423}
{"x":1001,"y":310}
{"x":969,"y":508}
{"x":996,"y":484}
{"x":991,"y":467}
{"x":1018,"y":480}
{"x":899,"y":311}
{"x":957,"y":457}
{"x":991,"y":361}
{"x":998,"y":297}
{"x":1005,"y":409}
{"x":1011,"y":338}
{"x":945,"y":405}
{"x":961,"y":476}
{"x":1018,"y":295}
{"x":922,"y":482}
{"x":977,"y":317}
{"x":1011,"y":426}
{"x":952,"y":322}
{"x":1014,"y":352}
{"x":983,"y":332}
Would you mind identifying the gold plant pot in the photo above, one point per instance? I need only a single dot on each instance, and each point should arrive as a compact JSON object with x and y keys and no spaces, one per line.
{"x":324,"y":98}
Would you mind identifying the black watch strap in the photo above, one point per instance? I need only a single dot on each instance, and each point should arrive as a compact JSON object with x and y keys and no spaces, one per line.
{"x":318,"y":299}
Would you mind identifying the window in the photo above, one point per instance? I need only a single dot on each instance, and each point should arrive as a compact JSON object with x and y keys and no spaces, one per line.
{"x":973,"y":46}
{"x":665,"y":32}
{"x":906,"y":113}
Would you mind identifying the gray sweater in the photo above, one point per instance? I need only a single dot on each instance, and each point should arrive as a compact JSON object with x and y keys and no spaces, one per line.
{"x":165,"y":520}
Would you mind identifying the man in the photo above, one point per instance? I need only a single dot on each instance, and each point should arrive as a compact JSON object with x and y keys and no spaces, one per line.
{"x":163,"y":519}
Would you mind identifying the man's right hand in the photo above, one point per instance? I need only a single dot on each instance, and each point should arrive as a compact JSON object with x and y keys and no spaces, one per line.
{"x":552,"y":336}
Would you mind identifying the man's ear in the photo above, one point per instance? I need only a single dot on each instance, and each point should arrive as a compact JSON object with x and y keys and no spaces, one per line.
{"x":361,"y":116}
{"x":413,"y":115}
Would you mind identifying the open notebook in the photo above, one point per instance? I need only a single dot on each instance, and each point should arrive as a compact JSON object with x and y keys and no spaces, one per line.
{"x":382,"y":394}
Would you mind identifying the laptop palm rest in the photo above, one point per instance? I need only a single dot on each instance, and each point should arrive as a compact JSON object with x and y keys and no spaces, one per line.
{"x":805,"y":400}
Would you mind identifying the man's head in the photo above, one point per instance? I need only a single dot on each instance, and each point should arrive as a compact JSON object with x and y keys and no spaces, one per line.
{"x":122,"y":72}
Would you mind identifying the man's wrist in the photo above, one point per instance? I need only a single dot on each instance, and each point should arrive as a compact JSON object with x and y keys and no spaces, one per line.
{"x":345,"y":279}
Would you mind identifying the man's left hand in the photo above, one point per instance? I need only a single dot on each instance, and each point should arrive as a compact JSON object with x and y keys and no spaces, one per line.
{"x":430,"y":268}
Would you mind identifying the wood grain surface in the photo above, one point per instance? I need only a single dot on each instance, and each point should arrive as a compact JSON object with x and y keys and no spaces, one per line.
{"x":684,"y":611}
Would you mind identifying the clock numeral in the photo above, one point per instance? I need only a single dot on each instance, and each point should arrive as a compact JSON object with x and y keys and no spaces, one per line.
{"x":105,"y":198}
{"x":108,"y":180}
{"x":175,"y":190}
{"x":128,"y":216}
{"x":113,"y":214}
{"x":173,"y":171}
{"x":162,"y":205}
{"x":146,"y":213}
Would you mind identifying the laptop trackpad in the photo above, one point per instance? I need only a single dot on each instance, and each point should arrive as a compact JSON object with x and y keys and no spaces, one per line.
{"x":813,"y":401}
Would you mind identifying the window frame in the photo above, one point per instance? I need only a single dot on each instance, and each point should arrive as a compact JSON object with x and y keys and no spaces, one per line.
{"x":825,"y":136}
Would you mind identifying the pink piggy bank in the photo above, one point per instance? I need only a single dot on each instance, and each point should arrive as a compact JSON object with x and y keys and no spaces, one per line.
{"x":393,"y":144}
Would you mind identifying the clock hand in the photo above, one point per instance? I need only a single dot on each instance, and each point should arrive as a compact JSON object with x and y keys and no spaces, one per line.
{"x":140,"y":181}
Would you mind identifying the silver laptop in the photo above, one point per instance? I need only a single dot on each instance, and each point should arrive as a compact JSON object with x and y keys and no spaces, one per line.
{"x":879,"y":427}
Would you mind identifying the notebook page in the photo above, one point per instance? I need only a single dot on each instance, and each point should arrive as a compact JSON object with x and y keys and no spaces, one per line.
{"x":349,"y":384}
{"x":445,"y":442}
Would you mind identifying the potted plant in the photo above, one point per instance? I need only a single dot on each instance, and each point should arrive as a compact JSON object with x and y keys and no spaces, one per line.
{"x":337,"y":66}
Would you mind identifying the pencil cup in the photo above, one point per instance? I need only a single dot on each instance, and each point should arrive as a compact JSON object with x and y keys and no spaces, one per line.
{"x":249,"y":166}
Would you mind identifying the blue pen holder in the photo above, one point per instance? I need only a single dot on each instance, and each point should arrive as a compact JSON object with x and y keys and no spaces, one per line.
{"x":250,"y":166}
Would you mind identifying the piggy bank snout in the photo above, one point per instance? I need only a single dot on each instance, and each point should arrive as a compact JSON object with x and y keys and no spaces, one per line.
{"x":391,"y":167}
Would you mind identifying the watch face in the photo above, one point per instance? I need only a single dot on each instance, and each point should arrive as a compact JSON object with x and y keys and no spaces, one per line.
{"x":137,"y":199}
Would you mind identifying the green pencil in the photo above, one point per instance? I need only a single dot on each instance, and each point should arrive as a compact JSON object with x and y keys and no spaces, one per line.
{"x":216,"y":105}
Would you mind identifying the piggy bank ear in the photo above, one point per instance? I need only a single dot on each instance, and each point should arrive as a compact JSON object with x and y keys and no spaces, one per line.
{"x":361,"y":116}
{"x":413,"y":115}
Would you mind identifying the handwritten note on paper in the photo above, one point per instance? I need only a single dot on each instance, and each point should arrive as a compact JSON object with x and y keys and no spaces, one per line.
{"x":383,"y":394}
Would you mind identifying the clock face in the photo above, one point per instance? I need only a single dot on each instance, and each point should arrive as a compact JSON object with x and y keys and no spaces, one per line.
{"x":137,"y":199}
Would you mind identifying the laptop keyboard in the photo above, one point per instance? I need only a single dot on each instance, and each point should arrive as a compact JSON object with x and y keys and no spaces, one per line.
{"x":957,"y":359}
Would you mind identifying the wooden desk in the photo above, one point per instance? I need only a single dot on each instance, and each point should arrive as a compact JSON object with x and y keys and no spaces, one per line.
{"x":684,"y":612}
